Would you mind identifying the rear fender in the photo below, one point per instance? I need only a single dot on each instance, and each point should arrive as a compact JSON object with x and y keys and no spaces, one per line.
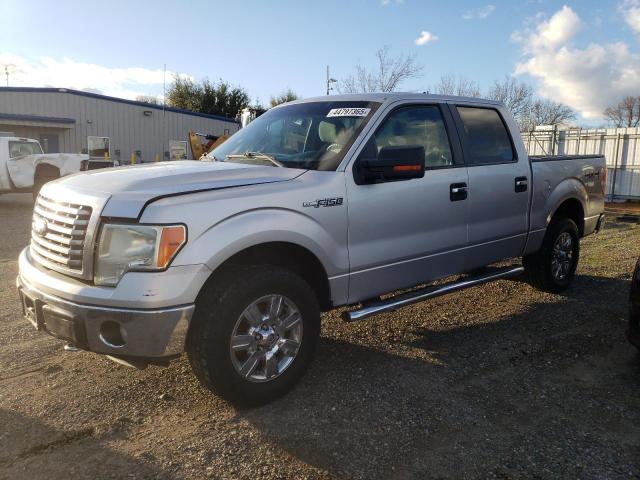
{"x":568,"y":189}
{"x":545,"y":207}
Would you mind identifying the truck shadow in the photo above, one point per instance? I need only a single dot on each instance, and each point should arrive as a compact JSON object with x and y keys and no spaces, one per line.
{"x":468,"y":399}
{"x":30,"y":449}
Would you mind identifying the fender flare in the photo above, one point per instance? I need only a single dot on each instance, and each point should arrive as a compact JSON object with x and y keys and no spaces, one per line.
{"x":569,"y":189}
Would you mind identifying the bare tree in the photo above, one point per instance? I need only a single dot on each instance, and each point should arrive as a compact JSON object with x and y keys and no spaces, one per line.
{"x":517,"y":96}
{"x":388,"y":75}
{"x":626,"y":113}
{"x":287,"y":96}
{"x":148,"y":99}
{"x":547,"y":112}
{"x":457,"y":85}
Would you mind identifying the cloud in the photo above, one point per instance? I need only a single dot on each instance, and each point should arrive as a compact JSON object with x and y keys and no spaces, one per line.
{"x":127,"y":82}
{"x":384,"y":3}
{"x":587,"y":79}
{"x":558,"y":30}
{"x":426,"y":37}
{"x":479,"y":13}
{"x":630,"y":10}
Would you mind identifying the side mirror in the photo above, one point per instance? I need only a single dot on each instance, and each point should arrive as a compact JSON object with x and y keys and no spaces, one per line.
{"x":393,"y":163}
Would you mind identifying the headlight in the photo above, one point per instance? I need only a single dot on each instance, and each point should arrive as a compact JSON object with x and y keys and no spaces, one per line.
{"x":123,"y":248}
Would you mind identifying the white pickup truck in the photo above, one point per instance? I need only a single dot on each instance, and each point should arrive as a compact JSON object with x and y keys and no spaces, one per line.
{"x":317,"y":204}
{"x":25,"y":168}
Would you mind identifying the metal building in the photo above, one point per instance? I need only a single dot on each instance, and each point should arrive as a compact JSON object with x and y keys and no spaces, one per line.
{"x":73,"y":121}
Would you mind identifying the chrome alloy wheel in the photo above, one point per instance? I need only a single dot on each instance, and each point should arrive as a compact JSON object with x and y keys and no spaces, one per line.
{"x":266,"y":338}
{"x":562,"y":256}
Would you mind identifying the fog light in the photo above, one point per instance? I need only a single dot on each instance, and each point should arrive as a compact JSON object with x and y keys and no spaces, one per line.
{"x":112,"y":335}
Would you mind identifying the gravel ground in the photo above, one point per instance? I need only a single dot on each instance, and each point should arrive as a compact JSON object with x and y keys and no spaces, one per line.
{"x":500,"y":381}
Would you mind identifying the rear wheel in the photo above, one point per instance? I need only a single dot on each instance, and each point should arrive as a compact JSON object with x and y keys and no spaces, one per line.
{"x":552,"y":268}
{"x":254,"y":334}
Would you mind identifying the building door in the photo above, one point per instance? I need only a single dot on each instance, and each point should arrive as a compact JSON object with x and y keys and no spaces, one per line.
{"x":49,"y":143}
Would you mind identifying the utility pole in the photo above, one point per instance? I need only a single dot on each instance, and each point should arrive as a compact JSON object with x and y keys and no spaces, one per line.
{"x":164,"y":102}
{"x":7,"y":66}
{"x":329,"y":81}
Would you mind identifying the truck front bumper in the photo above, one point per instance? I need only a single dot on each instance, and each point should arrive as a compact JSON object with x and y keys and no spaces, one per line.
{"x":141,"y":333}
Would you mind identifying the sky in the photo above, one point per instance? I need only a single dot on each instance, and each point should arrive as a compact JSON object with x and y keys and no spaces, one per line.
{"x":583,"y":53}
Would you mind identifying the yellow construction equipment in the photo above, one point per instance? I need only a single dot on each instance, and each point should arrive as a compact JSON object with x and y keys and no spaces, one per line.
{"x":201,"y":144}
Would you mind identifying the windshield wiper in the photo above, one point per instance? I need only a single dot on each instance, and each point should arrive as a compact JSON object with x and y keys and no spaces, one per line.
{"x":257,"y":156}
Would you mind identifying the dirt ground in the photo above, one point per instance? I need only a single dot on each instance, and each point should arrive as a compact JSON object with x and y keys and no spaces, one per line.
{"x":500,"y":381}
{"x":632,"y":208}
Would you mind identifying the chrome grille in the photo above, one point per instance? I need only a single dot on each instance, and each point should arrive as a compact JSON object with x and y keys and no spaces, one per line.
{"x":58,"y":234}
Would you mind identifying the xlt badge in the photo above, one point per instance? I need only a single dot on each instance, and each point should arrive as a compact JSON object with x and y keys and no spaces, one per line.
{"x":324,"y":202}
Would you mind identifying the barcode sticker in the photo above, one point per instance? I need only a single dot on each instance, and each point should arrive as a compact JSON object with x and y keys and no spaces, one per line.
{"x":348,"y":112}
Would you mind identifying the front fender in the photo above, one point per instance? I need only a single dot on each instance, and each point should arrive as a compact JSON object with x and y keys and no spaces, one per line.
{"x":250,"y":228}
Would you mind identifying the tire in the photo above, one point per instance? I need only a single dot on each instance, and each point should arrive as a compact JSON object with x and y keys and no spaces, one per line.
{"x":224,"y":310}
{"x":541,"y":270}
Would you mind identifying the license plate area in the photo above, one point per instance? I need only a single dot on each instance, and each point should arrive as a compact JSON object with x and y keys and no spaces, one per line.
{"x":30,"y":311}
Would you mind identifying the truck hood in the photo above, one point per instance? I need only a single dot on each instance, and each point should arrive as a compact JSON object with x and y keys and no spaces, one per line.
{"x":129,"y":189}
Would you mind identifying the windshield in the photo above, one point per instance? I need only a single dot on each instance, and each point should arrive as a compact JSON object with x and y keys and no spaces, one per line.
{"x":22,"y":148}
{"x":314,"y":135}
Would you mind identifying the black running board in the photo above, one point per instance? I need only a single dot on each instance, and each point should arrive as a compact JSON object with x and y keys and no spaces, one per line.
{"x":402,"y":300}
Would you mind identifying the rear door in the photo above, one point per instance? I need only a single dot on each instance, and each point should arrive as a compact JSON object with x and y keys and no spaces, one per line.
{"x":402,"y":233}
{"x":499,"y":185}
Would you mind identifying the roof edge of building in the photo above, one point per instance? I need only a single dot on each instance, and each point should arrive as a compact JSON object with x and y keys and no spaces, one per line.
{"x":35,"y":118}
{"x":115,"y":99}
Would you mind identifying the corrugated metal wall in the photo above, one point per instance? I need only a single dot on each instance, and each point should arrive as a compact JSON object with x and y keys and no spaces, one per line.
{"x":127,"y":126}
{"x":620,"y":146}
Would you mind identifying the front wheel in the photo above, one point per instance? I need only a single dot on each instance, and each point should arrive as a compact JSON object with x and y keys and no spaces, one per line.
{"x":552,"y":268}
{"x":254,"y":334}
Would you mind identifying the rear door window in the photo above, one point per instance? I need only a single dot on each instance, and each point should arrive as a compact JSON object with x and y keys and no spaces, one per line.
{"x":486,"y":138}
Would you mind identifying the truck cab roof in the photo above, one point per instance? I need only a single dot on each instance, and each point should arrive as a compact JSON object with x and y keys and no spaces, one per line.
{"x":396,"y":96}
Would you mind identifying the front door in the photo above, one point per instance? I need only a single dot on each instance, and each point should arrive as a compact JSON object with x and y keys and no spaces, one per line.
{"x":403,"y":233}
{"x":498,"y":186}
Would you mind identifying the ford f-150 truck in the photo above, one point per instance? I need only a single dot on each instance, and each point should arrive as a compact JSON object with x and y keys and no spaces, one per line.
{"x":317,"y":204}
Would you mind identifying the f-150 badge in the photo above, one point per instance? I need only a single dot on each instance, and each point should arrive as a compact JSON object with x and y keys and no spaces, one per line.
{"x":324,"y":202}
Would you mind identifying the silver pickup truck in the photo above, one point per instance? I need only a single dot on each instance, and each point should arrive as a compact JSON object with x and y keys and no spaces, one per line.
{"x":317,"y":204}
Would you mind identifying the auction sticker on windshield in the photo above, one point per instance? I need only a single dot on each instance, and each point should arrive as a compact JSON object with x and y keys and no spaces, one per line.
{"x":348,"y":112}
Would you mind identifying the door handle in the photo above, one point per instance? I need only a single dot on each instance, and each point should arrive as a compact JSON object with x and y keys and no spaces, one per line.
{"x":521,"y":184}
{"x":457,"y":192}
